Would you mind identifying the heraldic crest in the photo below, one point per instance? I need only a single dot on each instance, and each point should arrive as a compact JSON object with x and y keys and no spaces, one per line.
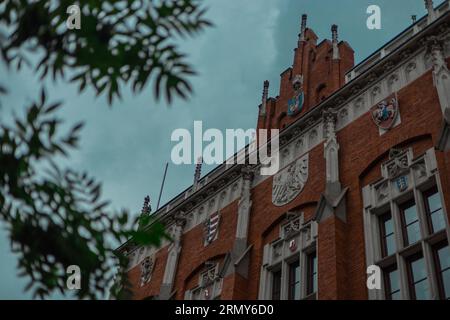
{"x":385,"y":113}
{"x":295,"y":104}
{"x":289,"y":182}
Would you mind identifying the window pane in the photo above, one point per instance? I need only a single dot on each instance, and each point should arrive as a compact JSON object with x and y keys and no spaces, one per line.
{"x":418,"y":269}
{"x":434,"y":202}
{"x":419,"y":279}
{"x":294,"y":281}
{"x":396,"y":296}
{"x":421,"y":289}
{"x":392,"y":284}
{"x":389,"y":226}
{"x":446,"y":283}
{"x":311,"y":274}
{"x":315,"y":274}
{"x":276,"y":285}
{"x":444,"y":258}
{"x":410,"y":214}
{"x":444,"y":267}
{"x":394,"y":281}
{"x":387,"y":234}
{"x":390,"y":245}
{"x":413,"y":232}
{"x":437,"y":220}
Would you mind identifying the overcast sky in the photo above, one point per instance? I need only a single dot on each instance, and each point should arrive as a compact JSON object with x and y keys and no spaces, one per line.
{"x":126,"y":146}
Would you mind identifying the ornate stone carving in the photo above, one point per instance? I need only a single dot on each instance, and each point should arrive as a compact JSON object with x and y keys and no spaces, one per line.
{"x":245,"y":203}
{"x":397,"y":164}
{"x":291,"y":227}
{"x":382,"y":192}
{"x":299,"y":145}
{"x":277,"y":251}
{"x":289,"y":182}
{"x":359,"y":104}
{"x":331,"y":147}
{"x":441,"y":74}
{"x":147,"y":266}
{"x":343,"y":115}
{"x":437,"y":54}
{"x":313,"y":137}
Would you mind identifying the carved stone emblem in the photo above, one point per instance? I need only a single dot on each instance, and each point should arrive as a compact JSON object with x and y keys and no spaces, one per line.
{"x":146,"y":269}
{"x":289,"y":182}
{"x":397,"y":164}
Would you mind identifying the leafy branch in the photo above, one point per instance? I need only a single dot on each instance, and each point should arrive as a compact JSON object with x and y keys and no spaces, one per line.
{"x":120,"y":42}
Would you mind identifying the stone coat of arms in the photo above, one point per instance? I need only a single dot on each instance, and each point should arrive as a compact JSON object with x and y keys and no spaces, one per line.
{"x":289,"y":182}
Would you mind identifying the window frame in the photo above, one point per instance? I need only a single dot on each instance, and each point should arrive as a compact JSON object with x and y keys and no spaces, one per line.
{"x":272,"y":280}
{"x":279,"y":255}
{"x":429,"y":222}
{"x":387,"y":281}
{"x":410,"y":275}
{"x":438,"y":268}
{"x":311,"y":264}
{"x":404,"y":227}
{"x":292,"y":281}
{"x":383,"y":235}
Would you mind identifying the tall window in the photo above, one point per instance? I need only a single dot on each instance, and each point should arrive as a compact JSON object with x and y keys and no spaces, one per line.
{"x":417,"y":278}
{"x":410,"y":222}
{"x":276,"y":285}
{"x":392,"y":283}
{"x":406,"y":228}
{"x":434,"y":211}
{"x":209,"y":285}
{"x":294,"y":281}
{"x":387,"y":234}
{"x":311,"y":285}
{"x":442,"y":262}
{"x":289,"y":269}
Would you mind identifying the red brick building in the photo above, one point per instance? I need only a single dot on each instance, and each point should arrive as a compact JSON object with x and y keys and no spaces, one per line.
{"x":364,"y":180}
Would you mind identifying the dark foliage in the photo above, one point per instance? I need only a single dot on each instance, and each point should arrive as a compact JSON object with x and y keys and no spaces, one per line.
{"x":56,"y":217}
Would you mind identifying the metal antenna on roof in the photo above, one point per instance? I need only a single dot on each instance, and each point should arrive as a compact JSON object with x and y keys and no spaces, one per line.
{"x":162,"y":186}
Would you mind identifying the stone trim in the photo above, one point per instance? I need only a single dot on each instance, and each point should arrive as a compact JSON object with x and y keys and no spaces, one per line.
{"x":277,"y":255}
{"x":385,"y":196}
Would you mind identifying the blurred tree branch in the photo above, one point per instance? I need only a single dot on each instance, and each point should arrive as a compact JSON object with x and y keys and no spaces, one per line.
{"x":55,"y":217}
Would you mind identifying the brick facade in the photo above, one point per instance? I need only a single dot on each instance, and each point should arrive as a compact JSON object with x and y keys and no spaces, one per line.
{"x":340,"y":243}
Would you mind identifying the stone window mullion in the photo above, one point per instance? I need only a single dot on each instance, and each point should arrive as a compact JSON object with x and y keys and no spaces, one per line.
{"x":439,"y":188}
{"x":421,"y":213}
{"x":395,"y":212}
{"x":284,"y":280}
{"x":429,"y":263}
{"x":403,"y":272}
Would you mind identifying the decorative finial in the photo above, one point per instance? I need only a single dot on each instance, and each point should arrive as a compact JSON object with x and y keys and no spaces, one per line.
{"x":146,"y":208}
{"x":334,"y":35}
{"x":430,"y":8}
{"x":198,"y":171}
{"x":414,"y":18}
{"x":302,"y":29}
{"x":265,"y":94}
